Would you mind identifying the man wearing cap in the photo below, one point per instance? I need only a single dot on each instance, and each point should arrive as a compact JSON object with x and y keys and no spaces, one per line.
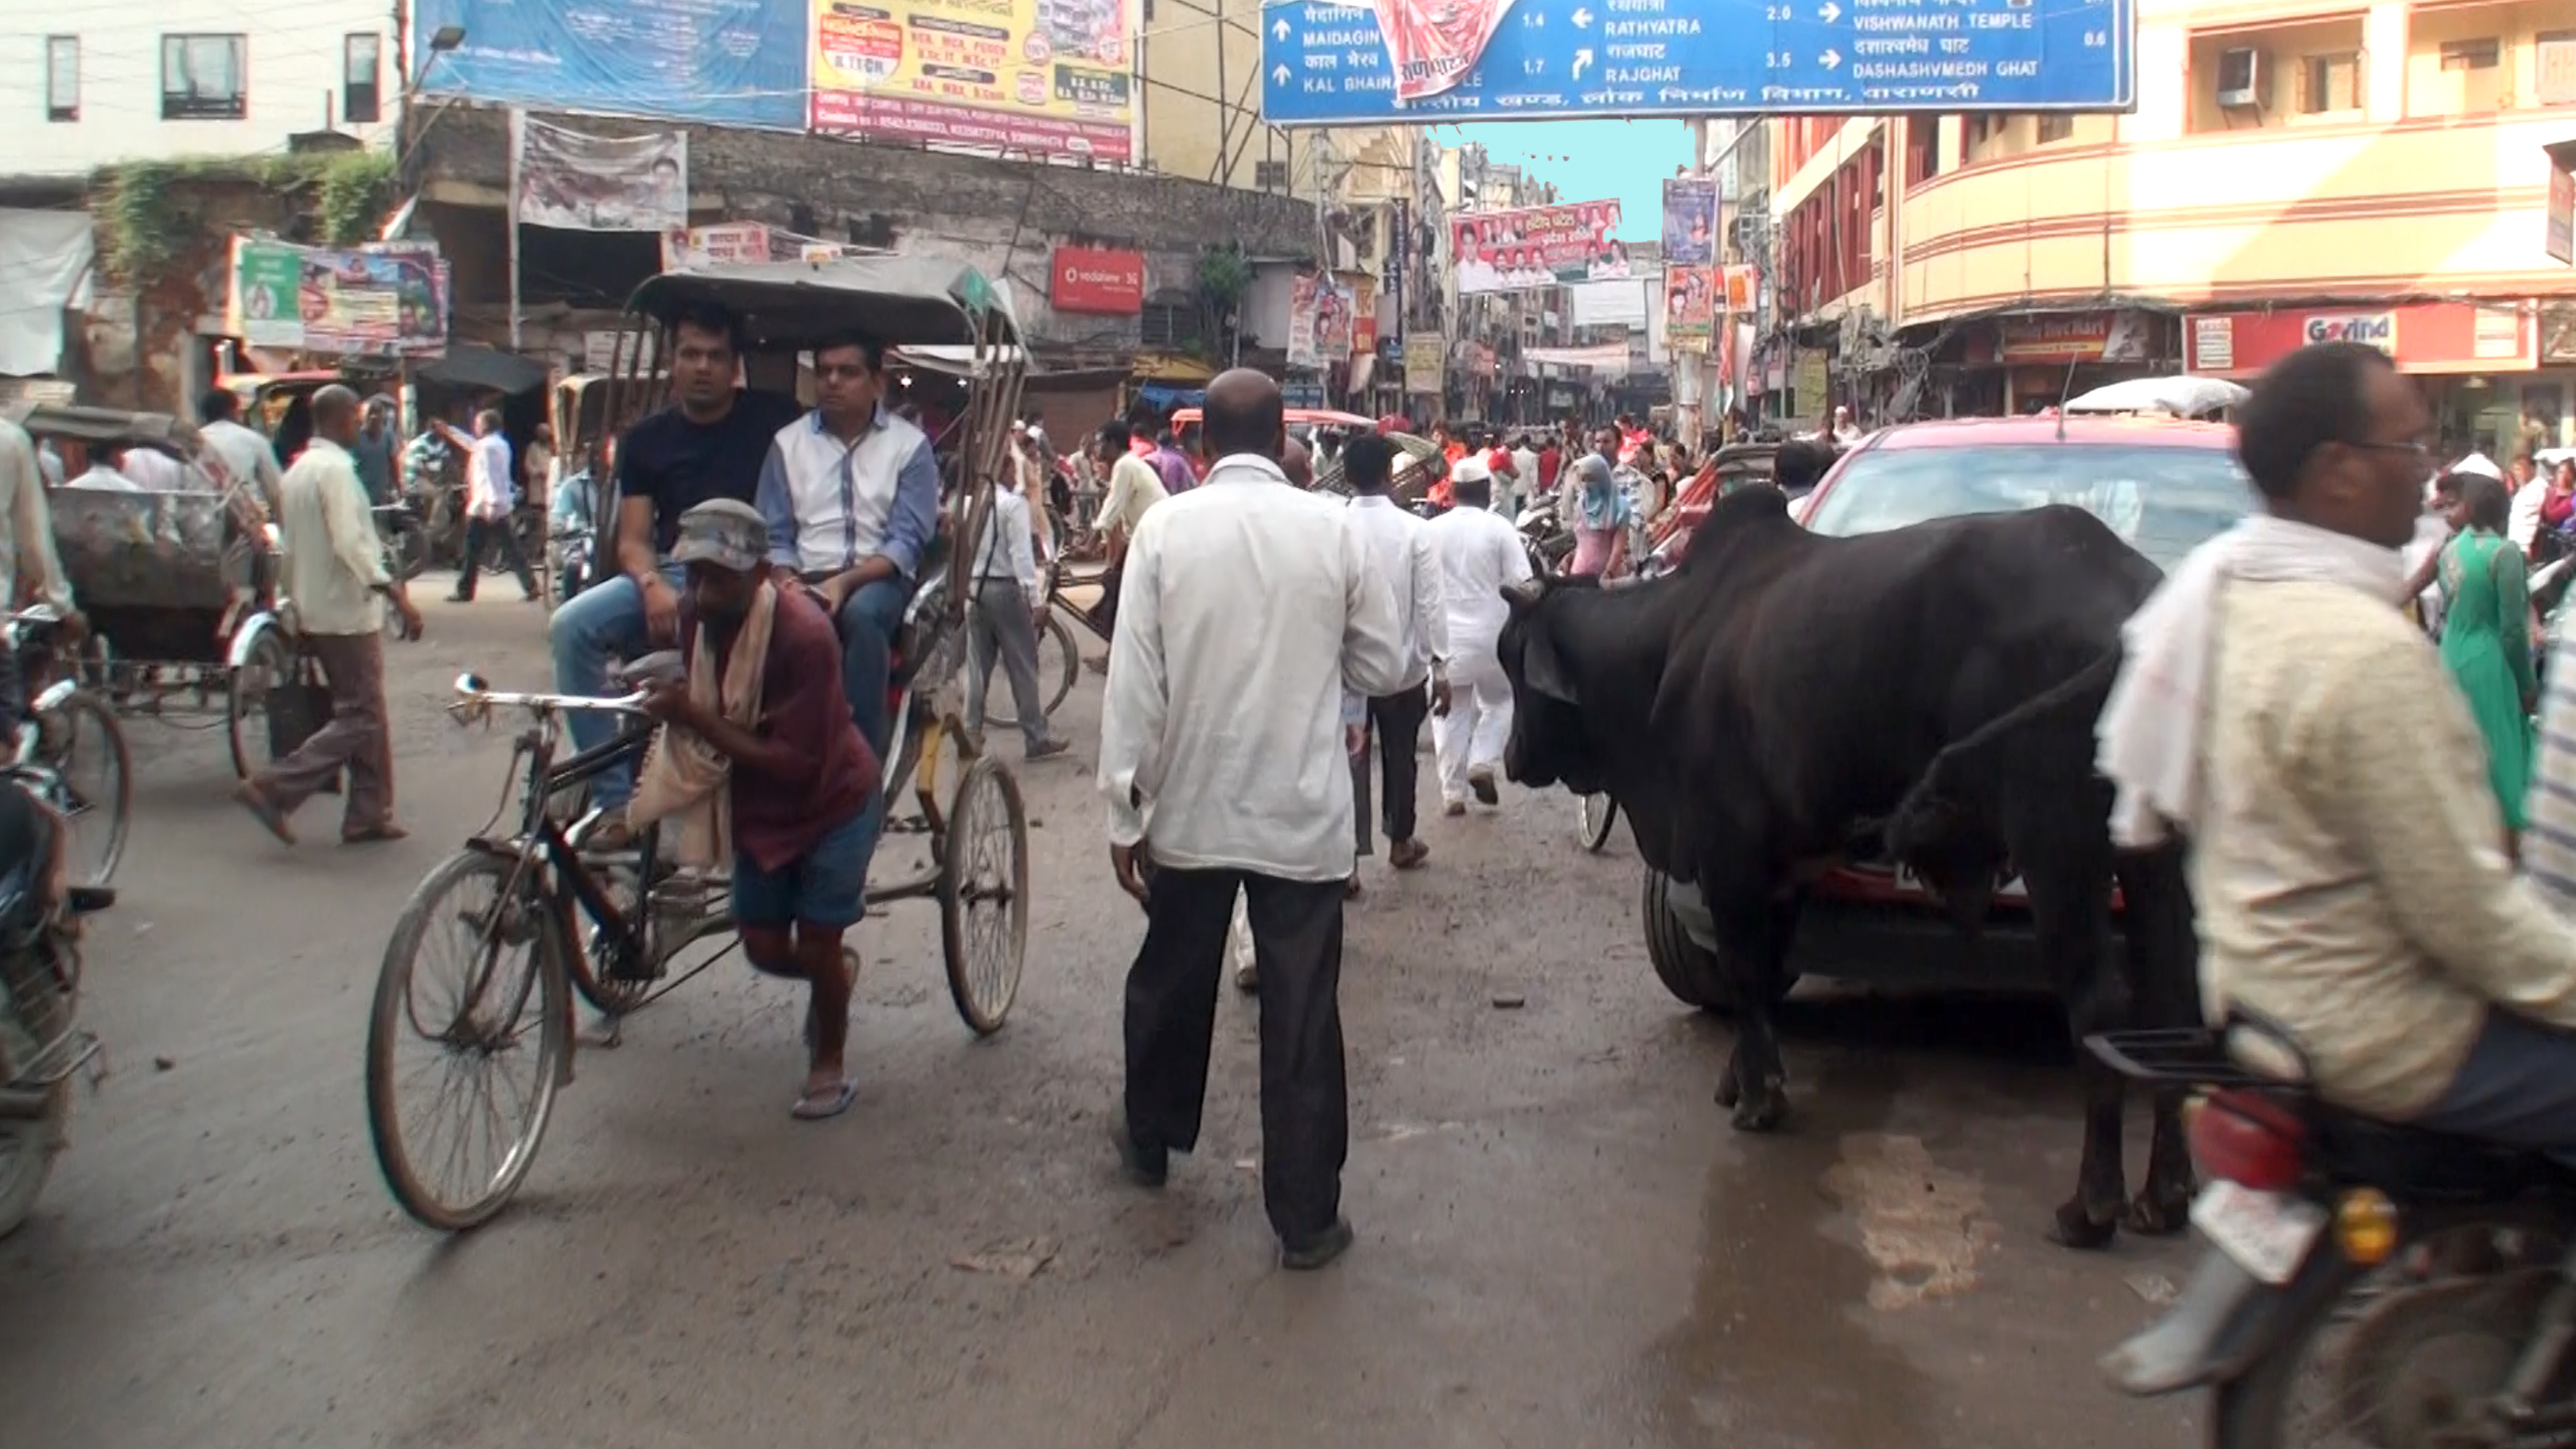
{"x":1407,"y":561}
{"x":1480,"y":553}
{"x":762,"y":764}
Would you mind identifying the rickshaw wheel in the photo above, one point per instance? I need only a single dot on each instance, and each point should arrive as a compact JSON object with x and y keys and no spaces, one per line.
{"x":271,"y":662}
{"x":984,"y":894}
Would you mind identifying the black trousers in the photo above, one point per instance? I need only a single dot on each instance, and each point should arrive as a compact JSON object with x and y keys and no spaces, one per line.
{"x":482,"y":534}
{"x":1397,"y":719}
{"x":1171,"y":1018}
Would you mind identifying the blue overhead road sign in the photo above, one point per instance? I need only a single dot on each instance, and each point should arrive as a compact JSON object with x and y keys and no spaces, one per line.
{"x":1326,"y":65}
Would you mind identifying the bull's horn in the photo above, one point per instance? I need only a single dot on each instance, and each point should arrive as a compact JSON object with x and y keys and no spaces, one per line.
{"x":1527,"y":591}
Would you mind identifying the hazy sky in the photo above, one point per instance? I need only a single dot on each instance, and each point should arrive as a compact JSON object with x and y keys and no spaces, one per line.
{"x":1591,"y":161}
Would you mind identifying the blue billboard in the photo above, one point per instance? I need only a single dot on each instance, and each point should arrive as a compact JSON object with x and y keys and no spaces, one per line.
{"x":1325,"y":64}
{"x":723,"y":62}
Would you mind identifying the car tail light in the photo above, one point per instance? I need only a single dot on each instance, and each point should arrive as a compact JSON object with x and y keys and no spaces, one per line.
{"x":2248,"y":1139}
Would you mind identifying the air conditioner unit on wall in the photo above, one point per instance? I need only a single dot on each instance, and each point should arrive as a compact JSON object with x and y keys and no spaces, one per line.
{"x":2244,"y":79}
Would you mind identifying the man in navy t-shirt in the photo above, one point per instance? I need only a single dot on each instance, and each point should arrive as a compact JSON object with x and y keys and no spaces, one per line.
{"x":709,"y":443}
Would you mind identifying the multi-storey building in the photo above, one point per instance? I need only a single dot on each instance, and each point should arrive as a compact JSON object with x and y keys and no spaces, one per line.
{"x":2294,"y":170}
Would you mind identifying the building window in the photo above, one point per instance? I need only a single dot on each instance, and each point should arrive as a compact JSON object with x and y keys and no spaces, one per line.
{"x":2555,"y":68}
{"x":361,"y":97}
{"x":2330,"y":83}
{"x":2056,"y":127}
{"x":62,"y":77}
{"x":1269,"y":175}
{"x":2469,"y":54}
{"x":1168,"y":324}
{"x":202,"y":77}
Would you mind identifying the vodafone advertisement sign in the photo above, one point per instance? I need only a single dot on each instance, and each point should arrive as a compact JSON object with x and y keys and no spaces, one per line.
{"x":1089,"y":279}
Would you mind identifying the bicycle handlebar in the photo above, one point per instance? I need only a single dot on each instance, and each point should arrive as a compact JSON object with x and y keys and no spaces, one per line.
{"x":471,"y":691}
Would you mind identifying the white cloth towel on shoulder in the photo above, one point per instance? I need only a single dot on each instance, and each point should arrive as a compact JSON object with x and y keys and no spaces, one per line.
{"x":2149,"y":732}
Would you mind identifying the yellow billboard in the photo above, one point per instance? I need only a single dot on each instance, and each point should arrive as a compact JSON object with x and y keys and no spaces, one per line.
{"x":1050,"y":77}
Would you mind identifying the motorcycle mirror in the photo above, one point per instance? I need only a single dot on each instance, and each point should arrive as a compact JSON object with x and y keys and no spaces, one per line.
{"x":470,"y":683}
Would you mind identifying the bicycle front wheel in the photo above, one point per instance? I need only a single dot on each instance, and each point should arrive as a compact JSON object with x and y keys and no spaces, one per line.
{"x":467,"y":1042}
{"x":1059,"y":669}
{"x":85,"y":748}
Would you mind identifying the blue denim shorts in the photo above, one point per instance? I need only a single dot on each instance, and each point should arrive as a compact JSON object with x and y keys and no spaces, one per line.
{"x":826,"y":886}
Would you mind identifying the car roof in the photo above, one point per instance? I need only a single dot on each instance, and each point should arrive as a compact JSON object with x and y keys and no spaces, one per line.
{"x":2074,"y":431}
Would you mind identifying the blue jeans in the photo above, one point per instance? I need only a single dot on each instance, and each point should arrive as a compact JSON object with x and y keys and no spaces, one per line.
{"x":604,"y":622}
{"x":826,"y":886}
{"x":867,"y":624}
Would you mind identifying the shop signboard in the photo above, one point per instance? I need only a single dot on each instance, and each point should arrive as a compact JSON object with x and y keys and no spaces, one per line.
{"x":1426,"y":358}
{"x":1301,"y":394}
{"x":1429,"y":62}
{"x":2560,"y":239}
{"x":1807,"y":386}
{"x":2423,"y":337}
{"x":722,"y":62}
{"x":1044,"y":77}
{"x":728,"y":241}
{"x":375,"y":301}
{"x":2120,"y":336}
{"x":1098,"y":281}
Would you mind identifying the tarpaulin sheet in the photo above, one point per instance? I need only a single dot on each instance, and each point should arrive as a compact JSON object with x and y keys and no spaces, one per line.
{"x":45,"y":263}
{"x":725,"y":62}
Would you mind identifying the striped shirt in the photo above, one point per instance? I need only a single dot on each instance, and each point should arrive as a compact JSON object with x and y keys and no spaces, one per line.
{"x":2549,"y":831}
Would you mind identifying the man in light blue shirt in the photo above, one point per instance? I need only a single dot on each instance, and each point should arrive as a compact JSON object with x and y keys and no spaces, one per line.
{"x":851,"y":495}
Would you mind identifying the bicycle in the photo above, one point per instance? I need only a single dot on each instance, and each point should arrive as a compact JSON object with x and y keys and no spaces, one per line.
{"x":67,"y":726}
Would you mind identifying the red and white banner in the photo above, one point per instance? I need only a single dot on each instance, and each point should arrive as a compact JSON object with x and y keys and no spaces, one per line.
{"x":1097,"y":280}
{"x":1433,"y":44}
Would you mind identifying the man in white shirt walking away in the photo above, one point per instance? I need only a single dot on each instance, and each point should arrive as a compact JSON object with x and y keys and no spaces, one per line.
{"x":1134,"y":489}
{"x":1403,"y":553}
{"x":1247,"y":609}
{"x":491,"y":492}
{"x":1001,"y":619}
{"x":335,"y":572}
{"x":1480,"y":552}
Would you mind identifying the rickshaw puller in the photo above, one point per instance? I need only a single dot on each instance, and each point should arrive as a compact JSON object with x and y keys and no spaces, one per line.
{"x":765,"y":772}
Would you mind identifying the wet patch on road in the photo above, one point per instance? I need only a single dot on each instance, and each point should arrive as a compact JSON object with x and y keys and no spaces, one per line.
{"x":1922,"y":1226}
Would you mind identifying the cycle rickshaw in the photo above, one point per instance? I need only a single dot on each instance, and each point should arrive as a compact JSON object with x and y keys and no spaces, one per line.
{"x":541,"y":919}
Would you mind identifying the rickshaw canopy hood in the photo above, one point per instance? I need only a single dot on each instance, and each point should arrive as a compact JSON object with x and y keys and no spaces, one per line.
{"x":109,"y":425}
{"x":789,"y":306}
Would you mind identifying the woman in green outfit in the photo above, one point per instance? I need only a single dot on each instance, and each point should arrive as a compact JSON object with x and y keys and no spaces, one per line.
{"x":2486,"y":635}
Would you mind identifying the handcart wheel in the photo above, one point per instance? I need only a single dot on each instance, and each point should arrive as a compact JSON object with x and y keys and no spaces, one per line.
{"x":270,"y":663}
{"x":1599,"y":813}
{"x":984,"y":894}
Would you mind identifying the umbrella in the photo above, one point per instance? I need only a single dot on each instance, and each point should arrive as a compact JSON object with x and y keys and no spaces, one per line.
{"x":2184,"y":397}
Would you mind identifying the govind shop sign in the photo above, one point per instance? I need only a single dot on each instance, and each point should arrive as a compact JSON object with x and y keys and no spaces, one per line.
{"x":2370,"y":329}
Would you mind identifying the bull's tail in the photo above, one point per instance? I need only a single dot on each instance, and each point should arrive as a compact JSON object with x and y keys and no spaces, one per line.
{"x":1921,"y":813}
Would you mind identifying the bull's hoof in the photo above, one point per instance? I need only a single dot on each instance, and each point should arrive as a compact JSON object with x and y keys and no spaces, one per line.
{"x":2158,"y":1214}
{"x":2077,"y":1227}
{"x":1761,"y":1112}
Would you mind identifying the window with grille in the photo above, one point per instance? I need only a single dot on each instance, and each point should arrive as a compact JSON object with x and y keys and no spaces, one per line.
{"x":361,"y":96}
{"x":203,"y":77}
{"x":62,"y":78}
{"x":2330,"y":83}
{"x":1270,"y":175}
{"x":2055,"y":127}
{"x":2555,"y":72}
{"x":1166,"y":324}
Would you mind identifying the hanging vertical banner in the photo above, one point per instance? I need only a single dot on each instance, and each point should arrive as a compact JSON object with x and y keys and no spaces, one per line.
{"x":565,"y":178}
{"x":1743,"y":288}
{"x":1690,"y":221}
{"x":1396,"y":256}
{"x":1304,"y":295}
{"x":1425,"y":359}
{"x":1334,"y":308}
{"x":1363,"y":316}
{"x":1690,"y":297}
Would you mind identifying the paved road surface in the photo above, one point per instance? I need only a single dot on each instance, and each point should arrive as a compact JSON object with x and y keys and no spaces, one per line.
{"x":1561,"y":1242}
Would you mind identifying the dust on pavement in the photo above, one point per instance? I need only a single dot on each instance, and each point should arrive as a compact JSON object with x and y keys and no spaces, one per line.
{"x":1561,"y":1242}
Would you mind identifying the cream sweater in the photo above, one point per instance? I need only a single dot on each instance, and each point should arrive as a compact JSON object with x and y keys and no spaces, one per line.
{"x":2348,"y":868}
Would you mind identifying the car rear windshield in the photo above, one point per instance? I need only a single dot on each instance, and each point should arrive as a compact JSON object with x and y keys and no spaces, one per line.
{"x":2164,"y":501}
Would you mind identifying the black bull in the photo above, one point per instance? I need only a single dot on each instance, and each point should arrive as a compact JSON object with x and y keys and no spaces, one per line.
{"x":1782,"y":688}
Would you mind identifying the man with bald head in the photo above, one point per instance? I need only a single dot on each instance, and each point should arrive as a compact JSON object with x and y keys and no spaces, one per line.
{"x":1247,"y":609}
{"x":1297,"y":464}
{"x":335,"y":573}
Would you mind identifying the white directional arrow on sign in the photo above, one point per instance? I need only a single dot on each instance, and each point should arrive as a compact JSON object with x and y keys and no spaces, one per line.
{"x":1582,"y":62}
{"x":1280,"y":75}
{"x":1830,"y":59}
{"x":1582,"y":18}
{"x":1829,"y":12}
{"x":1280,"y":30}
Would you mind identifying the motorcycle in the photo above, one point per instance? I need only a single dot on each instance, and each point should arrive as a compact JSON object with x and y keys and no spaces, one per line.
{"x":41,"y":1044}
{"x":2434,"y":1276}
{"x":406,"y":539}
{"x":1544,"y":536}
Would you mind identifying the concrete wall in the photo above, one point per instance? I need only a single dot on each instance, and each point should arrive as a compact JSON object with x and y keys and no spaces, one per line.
{"x":295,"y":56}
{"x":1003,"y":217}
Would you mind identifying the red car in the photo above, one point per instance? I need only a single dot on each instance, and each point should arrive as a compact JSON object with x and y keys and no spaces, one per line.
{"x":2165,"y":486}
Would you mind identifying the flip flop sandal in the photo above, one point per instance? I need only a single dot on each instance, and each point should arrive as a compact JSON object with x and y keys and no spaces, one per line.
{"x":815,"y":1106}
